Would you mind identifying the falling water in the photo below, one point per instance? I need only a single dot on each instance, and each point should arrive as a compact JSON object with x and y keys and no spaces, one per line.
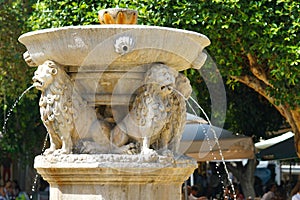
{"x":208,"y":141}
{"x":10,"y":110}
{"x":34,"y":184}
{"x":4,"y":131}
{"x":218,"y":145}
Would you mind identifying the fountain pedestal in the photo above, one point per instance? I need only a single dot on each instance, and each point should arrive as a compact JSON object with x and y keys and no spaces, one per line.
{"x":111,"y":176}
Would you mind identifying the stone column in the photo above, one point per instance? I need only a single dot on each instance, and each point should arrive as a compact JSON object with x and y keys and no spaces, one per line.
{"x":113,"y":177}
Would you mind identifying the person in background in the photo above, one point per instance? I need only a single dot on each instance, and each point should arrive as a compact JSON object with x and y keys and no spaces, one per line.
{"x":186,"y":191}
{"x":6,"y":164}
{"x":197,"y":193}
{"x":9,"y":190}
{"x":239,"y":195}
{"x":18,"y":194}
{"x":2,"y":193}
{"x":228,"y":194}
{"x":43,"y":193}
{"x":194,"y":192}
{"x":258,"y":187}
{"x":281,"y":193}
{"x":295,"y":193}
{"x":270,"y":194}
{"x":44,"y":185}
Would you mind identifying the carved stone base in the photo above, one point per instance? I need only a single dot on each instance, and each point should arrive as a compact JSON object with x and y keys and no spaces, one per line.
{"x":113,"y":177}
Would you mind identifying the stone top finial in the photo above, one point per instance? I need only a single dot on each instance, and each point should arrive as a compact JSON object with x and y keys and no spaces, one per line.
{"x":117,"y":16}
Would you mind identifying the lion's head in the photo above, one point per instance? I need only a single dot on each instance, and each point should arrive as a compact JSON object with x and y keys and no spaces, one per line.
{"x":44,"y":75}
{"x":162,"y":76}
{"x":183,"y":86}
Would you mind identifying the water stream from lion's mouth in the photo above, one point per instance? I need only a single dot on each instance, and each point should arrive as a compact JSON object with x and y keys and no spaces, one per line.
{"x":5,"y":123}
{"x":11,"y":110}
{"x":34,"y":185}
{"x":216,"y":140}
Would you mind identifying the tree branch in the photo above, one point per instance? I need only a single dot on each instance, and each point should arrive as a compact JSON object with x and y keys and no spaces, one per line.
{"x":257,"y":71}
{"x":292,"y":115}
{"x":260,"y":88}
{"x":255,"y":84}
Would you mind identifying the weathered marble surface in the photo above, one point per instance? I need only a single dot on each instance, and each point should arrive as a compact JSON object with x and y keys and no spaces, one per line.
{"x":157,"y":117}
{"x":66,"y":116}
{"x":154,"y":123}
{"x":111,"y":176}
{"x":95,"y":46}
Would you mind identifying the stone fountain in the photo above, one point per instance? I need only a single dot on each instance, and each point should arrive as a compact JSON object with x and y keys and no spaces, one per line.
{"x":113,"y":103}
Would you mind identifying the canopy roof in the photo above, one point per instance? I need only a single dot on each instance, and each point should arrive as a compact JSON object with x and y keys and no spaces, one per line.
{"x":270,"y":142}
{"x":205,"y":142}
{"x":282,"y":150}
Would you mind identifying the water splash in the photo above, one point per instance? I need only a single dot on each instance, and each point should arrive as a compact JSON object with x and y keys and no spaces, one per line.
{"x":208,"y":141}
{"x":12,"y":108}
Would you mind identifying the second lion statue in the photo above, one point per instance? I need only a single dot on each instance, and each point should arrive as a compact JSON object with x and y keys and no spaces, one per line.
{"x":157,"y":117}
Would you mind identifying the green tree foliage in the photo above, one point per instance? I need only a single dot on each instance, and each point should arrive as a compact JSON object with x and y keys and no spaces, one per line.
{"x":239,"y":31}
{"x":20,"y":136}
{"x":253,"y":42}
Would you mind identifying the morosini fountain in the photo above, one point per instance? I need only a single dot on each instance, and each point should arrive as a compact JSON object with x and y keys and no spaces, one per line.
{"x":113,"y":103}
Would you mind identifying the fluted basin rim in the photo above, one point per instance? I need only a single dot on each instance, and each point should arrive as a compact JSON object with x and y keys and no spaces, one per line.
{"x":72,"y":45}
{"x":22,"y":38}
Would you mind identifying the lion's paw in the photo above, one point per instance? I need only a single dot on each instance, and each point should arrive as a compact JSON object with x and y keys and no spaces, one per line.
{"x":147,"y":151}
{"x":48,"y":151}
{"x":130,"y":149}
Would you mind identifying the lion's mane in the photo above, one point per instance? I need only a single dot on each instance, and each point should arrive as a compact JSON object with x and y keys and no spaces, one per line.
{"x":64,"y":113}
{"x":160,"y":104}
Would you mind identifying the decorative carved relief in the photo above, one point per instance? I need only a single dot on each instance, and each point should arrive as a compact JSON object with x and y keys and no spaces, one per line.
{"x":157,"y":117}
{"x":153,"y":125}
{"x":66,"y":116}
{"x":124,"y":45}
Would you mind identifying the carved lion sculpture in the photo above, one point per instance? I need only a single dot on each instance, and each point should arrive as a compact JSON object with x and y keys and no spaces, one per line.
{"x":65,"y":114}
{"x":158,"y":113}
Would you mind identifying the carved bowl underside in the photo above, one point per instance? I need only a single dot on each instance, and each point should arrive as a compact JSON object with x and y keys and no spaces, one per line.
{"x":107,"y":87}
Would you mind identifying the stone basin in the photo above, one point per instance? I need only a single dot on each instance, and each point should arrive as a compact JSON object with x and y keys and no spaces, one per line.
{"x":95,"y":46}
{"x":114,"y":54}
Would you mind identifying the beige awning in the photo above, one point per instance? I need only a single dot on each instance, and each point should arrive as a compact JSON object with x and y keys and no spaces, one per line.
{"x":207,"y":143}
